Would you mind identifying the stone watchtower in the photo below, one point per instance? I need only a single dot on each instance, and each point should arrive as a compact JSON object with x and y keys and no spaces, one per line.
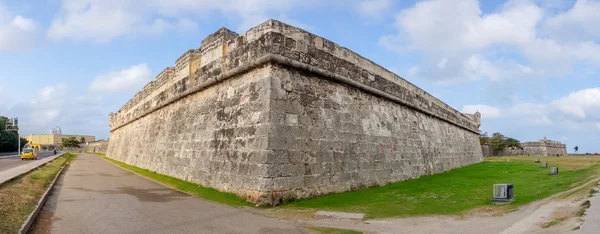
{"x":477,"y":116}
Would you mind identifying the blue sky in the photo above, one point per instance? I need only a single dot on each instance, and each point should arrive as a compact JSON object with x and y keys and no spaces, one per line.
{"x":529,"y":66}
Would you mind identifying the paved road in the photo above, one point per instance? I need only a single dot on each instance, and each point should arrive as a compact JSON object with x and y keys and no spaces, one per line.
{"x":591,"y":222}
{"x":5,"y":154}
{"x":94,"y":196}
{"x":15,"y":161}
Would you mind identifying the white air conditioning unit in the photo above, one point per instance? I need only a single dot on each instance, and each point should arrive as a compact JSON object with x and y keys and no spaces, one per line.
{"x":503,"y":193}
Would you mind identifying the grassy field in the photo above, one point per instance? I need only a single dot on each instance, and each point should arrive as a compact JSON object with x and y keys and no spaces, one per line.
{"x":326,"y":230}
{"x":19,"y":197}
{"x":461,"y":189}
{"x":190,"y":188}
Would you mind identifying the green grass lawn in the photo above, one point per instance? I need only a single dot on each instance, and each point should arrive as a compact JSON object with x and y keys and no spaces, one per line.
{"x":326,"y":230}
{"x":18,"y":198}
{"x":188,"y":187}
{"x":457,"y":190}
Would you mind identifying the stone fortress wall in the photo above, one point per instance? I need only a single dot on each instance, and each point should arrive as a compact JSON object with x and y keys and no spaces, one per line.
{"x":100,"y":146}
{"x":279,"y":113}
{"x":543,"y":147}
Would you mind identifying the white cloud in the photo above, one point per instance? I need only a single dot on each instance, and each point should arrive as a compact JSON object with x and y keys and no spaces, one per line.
{"x":102,"y":21}
{"x":186,"y":25}
{"x":487,"y":112}
{"x":598,"y":126}
{"x":442,"y":63}
{"x":47,"y":104}
{"x":578,"y":23}
{"x":374,"y":9}
{"x":464,"y":25}
{"x":129,"y":79}
{"x":394,"y":43}
{"x":531,"y":113}
{"x":557,"y":58}
{"x":16,"y":32}
{"x":528,"y":109}
{"x":474,"y":67}
{"x":53,"y":106}
{"x":580,"y":108}
{"x":581,"y":104}
{"x":521,"y":40}
{"x":452,"y":36}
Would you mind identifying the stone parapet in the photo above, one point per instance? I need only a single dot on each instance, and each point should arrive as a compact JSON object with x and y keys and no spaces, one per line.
{"x":276,"y":42}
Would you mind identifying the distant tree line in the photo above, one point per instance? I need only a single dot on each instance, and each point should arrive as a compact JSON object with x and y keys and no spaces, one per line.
{"x":9,"y":139}
{"x":72,"y":142}
{"x":499,"y":142}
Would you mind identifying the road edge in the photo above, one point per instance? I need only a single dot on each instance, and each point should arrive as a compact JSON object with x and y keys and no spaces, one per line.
{"x":155,"y":181}
{"x":33,"y":215}
{"x":31,"y":169}
{"x":105,"y":158}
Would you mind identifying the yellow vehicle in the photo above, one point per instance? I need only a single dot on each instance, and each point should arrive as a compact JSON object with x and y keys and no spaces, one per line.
{"x":28,"y":154}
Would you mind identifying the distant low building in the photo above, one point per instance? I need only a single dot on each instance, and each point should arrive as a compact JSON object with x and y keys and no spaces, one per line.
{"x":55,"y":138}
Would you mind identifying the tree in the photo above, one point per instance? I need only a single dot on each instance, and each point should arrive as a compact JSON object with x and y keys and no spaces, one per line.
{"x":8,"y":139}
{"x":71,"y":142}
{"x":483,"y":138}
{"x":23,"y":142}
{"x":513,"y":143}
{"x":82,"y":140}
{"x":498,"y":142}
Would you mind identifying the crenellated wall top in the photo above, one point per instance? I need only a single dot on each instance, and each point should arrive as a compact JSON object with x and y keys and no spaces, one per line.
{"x":226,"y":50}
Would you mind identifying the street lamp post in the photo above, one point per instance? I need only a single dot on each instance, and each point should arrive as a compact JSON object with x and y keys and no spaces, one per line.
{"x":16,"y":123}
{"x":18,"y":140}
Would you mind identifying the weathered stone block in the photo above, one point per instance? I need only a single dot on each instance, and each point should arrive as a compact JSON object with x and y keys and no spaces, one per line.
{"x":553,"y":170}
